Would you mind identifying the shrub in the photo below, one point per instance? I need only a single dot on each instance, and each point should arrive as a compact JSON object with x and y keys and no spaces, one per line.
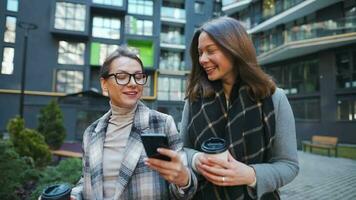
{"x":15,"y":173}
{"x":67,"y":171}
{"x":31,"y":144}
{"x":50,"y":125}
{"x":14,"y":127}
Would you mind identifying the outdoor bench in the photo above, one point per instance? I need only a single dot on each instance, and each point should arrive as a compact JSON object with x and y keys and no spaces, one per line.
{"x":67,"y":154}
{"x":321,"y":142}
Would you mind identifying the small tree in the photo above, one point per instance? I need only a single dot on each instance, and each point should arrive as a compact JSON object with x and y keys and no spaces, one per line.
{"x":28,"y":142}
{"x":50,"y":125}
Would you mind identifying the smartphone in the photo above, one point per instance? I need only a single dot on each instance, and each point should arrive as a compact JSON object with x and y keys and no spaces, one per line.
{"x":153,"y":141}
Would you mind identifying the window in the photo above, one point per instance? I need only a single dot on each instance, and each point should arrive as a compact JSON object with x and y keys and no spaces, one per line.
{"x":268,"y":8}
{"x":346,"y":109}
{"x":10,"y":29}
{"x":172,"y":35}
{"x":171,"y":60}
{"x":140,"y":7}
{"x":12,"y":5}
{"x":346,"y":70}
{"x":99,"y":52}
{"x":199,"y":7}
{"x":297,"y":78}
{"x":171,"y":88}
{"x":71,"y":53}
{"x":109,"y":2}
{"x":147,"y":90}
{"x":70,"y":16}
{"x":69,"y":81}
{"x":104,"y":27}
{"x":7,"y":64}
{"x":145,"y":49}
{"x":138,"y":26}
{"x":306,"y":109}
{"x":84,"y":119}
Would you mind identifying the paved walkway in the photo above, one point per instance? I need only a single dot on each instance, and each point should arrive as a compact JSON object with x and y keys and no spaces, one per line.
{"x":322,"y":178}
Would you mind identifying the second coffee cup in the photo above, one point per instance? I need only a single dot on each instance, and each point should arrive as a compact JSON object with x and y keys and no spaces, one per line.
{"x":215,"y":147}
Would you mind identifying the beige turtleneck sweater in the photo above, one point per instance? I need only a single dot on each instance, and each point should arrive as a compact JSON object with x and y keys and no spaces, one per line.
{"x":117,"y":134}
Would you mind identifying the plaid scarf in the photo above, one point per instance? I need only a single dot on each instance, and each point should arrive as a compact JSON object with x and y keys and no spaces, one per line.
{"x":247,"y":126}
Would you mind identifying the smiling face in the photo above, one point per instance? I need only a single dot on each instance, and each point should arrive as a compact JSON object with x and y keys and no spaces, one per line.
{"x":125,"y":96}
{"x":217,"y":64}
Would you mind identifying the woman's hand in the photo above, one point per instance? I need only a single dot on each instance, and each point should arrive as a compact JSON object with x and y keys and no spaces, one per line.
{"x":173,"y":171}
{"x":225,"y":173}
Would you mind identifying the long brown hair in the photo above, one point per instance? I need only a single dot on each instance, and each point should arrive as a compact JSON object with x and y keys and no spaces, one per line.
{"x":232,"y":39}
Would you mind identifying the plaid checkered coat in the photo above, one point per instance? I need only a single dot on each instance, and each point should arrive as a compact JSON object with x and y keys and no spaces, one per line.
{"x":136,"y":180}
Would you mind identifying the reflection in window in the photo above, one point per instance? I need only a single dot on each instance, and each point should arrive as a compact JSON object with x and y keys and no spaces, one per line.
{"x":171,"y":60}
{"x":12,"y":5}
{"x":268,"y":8}
{"x":346,"y":70}
{"x":346,"y":109}
{"x":10,"y":29}
{"x":171,"y":89}
{"x":138,"y":26}
{"x":70,"y":16}
{"x":99,"y":52}
{"x":69,"y":81}
{"x":109,"y":2}
{"x":297,"y":78}
{"x":306,"y":109}
{"x":147,"y":90}
{"x":71,"y":53}
{"x":199,"y":7}
{"x":172,"y":35}
{"x":104,"y":27}
{"x":140,"y":7}
{"x":7,"y":64}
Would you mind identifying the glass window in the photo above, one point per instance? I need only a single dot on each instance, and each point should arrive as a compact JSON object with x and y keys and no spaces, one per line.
{"x":10,"y":29}
{"x":171,"y":88}
{"x":346,"y":109}
{"x":71,"y":53}
{"x":138,"y":26}
{"x":104,"y":27}
{"x":99,"y":52}
{"x":147,"y":90}
{"x":346,"y":70}
{"x":306,"y":109}
{"x":171,"y":60}
{"x":268,"y":8}
{"x":199,"y":7}
{"x":109,"y":2}
{"x":7,"y":64}
{"x":12,"y":5}
{"x":84,"y":119}
{"x":69,"y":81}
{"x":70,"y":16}
{"x":141,"y":7}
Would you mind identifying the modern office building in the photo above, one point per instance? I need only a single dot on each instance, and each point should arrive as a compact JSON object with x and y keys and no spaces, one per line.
{"x":72,"y":38}
{"x":309,"y":47}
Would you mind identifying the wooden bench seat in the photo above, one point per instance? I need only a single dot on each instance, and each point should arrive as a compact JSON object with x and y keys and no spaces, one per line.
{"x":322,"y":142}
{"x":67,"y":154}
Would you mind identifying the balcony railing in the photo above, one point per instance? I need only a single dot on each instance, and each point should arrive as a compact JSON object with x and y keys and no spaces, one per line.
{"x":171,"y":64}
{"x":173,"y":13}
{"x":305,"y":32}
{"x":172,"y":38}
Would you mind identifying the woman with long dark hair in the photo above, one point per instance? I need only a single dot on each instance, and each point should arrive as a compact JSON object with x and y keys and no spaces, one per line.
{"x":230,"y":97}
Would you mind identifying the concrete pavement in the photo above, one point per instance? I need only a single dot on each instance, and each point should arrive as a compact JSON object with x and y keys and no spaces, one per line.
{"x":322,"y":178}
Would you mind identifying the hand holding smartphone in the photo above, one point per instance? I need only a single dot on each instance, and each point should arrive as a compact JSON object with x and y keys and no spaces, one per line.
{"x":153,"y":141}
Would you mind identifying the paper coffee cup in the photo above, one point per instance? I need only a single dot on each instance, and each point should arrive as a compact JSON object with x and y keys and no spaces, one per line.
{"x":56,"y":192}
{"x":215,"y":148}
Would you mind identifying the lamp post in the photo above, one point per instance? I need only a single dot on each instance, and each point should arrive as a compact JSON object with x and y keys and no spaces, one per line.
{"x":27,"y":27}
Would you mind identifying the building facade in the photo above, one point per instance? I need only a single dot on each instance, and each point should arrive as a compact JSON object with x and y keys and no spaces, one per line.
{"x":72,"y":38}
{"x":309,"y":48}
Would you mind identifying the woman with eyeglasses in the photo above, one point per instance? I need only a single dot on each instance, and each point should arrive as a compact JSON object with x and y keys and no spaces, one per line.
{"x":115,"y":164}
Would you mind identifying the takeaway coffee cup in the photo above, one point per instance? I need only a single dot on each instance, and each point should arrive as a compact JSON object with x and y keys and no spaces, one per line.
{"x":215,"y":147}
{"x":56,"y":192}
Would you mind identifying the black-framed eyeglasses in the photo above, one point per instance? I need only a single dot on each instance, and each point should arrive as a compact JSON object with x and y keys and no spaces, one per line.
{"x":125,"y":78}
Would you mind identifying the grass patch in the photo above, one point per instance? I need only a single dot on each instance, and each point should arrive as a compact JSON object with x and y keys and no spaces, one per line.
{"x":343,"y":151}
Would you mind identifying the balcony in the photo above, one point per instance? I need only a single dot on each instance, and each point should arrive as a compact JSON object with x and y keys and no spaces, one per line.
{"x":173,"y":40}
{"x":306,"y":39}
{"x":289,"y":13}
{"x":174,"y":15}
{"x":233,"y":6}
